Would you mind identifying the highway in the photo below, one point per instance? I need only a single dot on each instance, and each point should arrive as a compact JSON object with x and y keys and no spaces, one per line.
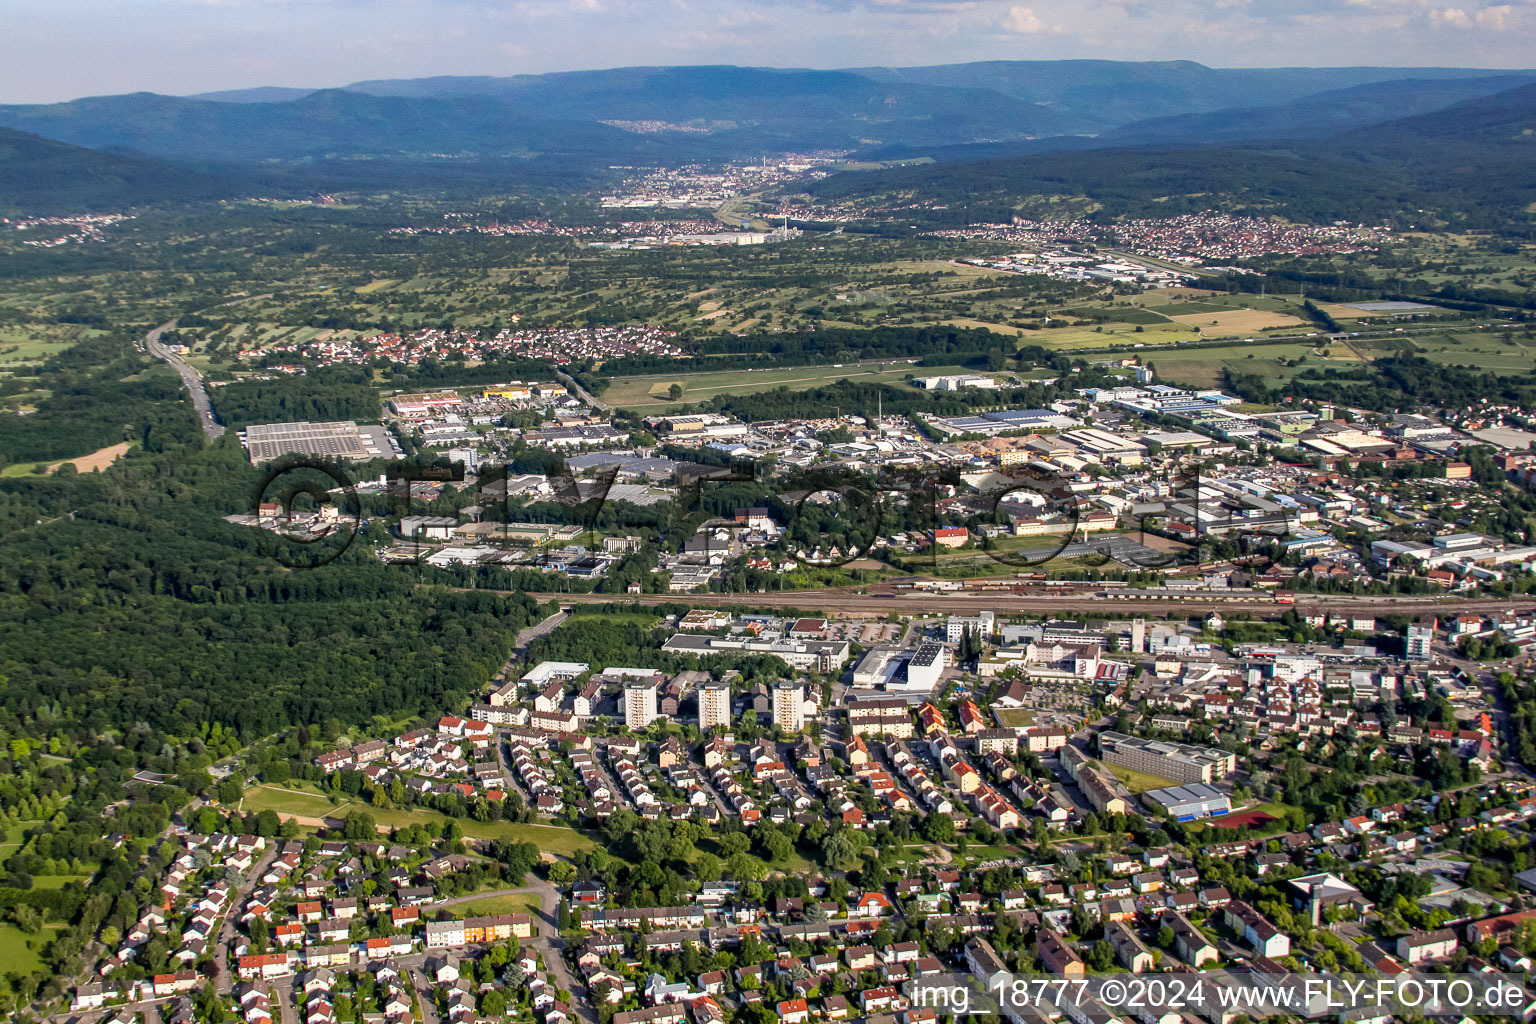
{"x":189,"y":376}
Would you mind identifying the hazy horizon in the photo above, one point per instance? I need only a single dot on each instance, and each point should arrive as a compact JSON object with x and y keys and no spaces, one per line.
{"x":73,"y":48}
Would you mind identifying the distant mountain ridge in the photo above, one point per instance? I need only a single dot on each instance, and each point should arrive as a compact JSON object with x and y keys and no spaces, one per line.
{"x":993,"y":117}
{"x":734,"y":112}
{"x":1467,"y":165}
{"x":1319,"y":115}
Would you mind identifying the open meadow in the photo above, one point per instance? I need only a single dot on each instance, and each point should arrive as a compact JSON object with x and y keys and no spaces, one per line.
{"x":652,"y":392}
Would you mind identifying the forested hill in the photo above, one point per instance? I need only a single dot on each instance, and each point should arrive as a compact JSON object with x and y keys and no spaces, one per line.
{"x":40,"y":176}
{"x":1507,"y":117}
{"x":1322,"y":115}
{"x":1468,"y":166}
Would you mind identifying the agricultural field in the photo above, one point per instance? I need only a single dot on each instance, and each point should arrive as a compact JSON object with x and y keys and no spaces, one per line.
{"x":97,"y":460}
{"x":1201,"y":367}
{"x":651,"y":393}
{"x":25,"y":346}
{"x":1484,"y":350}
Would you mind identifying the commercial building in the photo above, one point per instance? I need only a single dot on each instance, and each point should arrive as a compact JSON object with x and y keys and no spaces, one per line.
{"x":882,"y":667}
{"x":808,"y":655}
{"x":926,"y":666}
{"x":1178,"y":762}
{"x":979,"y":624}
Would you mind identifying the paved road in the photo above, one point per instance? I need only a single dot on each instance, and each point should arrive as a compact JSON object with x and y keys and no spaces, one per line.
{"x":226,"y":977}
{"x":548,"y":942}
{"x":527,"y":636}
{"x":581,"y":392}
{"x":189,"y":376}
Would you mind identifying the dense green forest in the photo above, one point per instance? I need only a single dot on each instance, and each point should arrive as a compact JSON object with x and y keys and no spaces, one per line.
{"x":333,"y":393}
{"x":99,"y":394}
{"x":1391,"y":383}
{"x":128,"y":605}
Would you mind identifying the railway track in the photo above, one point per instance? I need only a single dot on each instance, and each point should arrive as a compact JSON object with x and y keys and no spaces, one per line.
{"x":882,"y":601}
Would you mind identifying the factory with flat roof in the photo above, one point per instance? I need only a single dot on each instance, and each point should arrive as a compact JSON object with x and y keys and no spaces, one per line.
{"x":342,"y":439}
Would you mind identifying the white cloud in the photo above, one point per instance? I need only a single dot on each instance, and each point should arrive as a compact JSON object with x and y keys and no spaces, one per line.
{"x":1453,"y":16}
{"x":1023,"y":20}
{"x":1497,"y":16}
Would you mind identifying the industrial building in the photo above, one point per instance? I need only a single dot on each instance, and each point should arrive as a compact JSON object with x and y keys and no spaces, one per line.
{"x":1189,"y":803}
{"x":342,"y":439}
{"x":926,"y":666}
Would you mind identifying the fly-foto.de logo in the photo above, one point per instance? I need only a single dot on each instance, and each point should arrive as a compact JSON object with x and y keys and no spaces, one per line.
{"x":831,"y":517}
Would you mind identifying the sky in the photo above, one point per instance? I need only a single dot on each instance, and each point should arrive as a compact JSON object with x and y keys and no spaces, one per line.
{"x":63,"y":49}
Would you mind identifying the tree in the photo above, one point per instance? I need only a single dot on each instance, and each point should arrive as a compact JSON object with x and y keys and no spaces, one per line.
{"x":562,"y":873}
{"x":1102,"y":956}
{"x":358,"y":826}
{"x":230,"y":789}
{"x":259,"y":933}
{"x":939,"y":828}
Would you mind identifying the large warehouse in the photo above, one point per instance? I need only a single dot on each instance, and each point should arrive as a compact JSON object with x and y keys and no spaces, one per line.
{"x":1188,"y":803}
{"x":342,"y":439}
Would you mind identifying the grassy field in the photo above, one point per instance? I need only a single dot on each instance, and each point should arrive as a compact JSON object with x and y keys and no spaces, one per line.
{"x":1138,"y":782}
{"x":289,"y":801}
{"x":1014,"y":718}
{"x":651,"y":392}
{"x":13,"y":837}
{"x":1201,"y":367}
{"x":23,"y":346}
{"x":19,"y":951}
{"x":57,"y":881}
{"x":555,"y":839}
{"x":517,"y":903}
{"x":620,"y":618}
{"x":99,"y":459}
